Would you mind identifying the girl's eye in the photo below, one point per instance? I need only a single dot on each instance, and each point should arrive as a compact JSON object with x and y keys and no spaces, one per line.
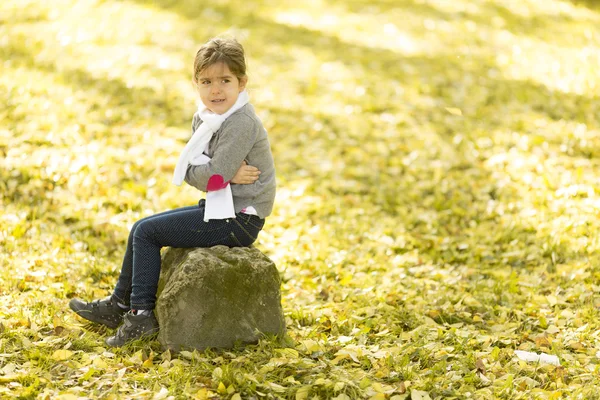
{"x":205,"y":82}
{"x":226,"y":81}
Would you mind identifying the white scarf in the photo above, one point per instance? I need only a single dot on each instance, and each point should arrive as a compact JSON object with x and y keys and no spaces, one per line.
{"x":219,"y":203}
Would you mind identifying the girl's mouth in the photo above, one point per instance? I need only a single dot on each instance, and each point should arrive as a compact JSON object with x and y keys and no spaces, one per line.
{"x":218,"y":101}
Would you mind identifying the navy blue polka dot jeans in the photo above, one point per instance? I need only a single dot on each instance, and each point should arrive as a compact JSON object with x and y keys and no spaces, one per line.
{"x":181,"y":227}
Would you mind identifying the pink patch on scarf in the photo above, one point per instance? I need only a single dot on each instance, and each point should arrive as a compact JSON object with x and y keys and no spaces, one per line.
{"x":215,"y":183}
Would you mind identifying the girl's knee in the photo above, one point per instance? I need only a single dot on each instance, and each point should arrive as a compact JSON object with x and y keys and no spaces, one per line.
{"x":137,"y":224}
{"x":143,"y":229}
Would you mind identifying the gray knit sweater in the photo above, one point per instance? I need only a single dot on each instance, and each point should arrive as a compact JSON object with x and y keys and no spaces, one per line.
{"x":240,"y":137}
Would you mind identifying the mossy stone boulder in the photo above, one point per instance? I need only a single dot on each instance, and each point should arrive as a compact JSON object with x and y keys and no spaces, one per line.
{"x":217,"y":297}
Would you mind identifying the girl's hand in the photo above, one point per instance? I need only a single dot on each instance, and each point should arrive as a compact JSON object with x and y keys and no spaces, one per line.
{"x":247,"y":174}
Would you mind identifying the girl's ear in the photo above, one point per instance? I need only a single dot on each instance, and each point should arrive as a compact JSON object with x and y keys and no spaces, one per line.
{"x":243,"y":82}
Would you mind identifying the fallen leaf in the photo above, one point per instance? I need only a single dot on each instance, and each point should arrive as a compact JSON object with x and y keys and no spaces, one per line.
{"x":341,"y":396}
{"x":552,"y":329}
{"x":454,"y":111}
{"x":99,"y":363}
{"x":542,"y":358}
{"x":162,"y":394}
{"x":62,"y":355}
{"x":552,"y":300}
{"x":148,"y":363}
{"x":67,"y":396}
{"x":401,"y":388}
{"x":419,"y":395}
{"x":543,"y":341}
{"x":203,"y":394}
{"x":302,"y":393}
{"x":577,"y":346}
{"x":311,"y":346}
{"x":10,"y":378}
{"x":480,"y":366}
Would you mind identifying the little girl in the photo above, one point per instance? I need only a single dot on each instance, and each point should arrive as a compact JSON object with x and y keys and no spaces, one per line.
{"x":229,"y":158}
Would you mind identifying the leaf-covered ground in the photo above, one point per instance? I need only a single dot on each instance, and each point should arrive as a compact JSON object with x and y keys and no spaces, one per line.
{"x":437,"y":207}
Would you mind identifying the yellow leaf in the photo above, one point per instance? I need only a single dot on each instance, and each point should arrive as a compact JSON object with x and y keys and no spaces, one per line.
{"x":339,"y":358}
{"x":365,"y":383}
{"x":471,"y":301}
{"x":341,"y":396}
{"x":377,"y":387}
{"x":203,"y":394}
{"x":236,"y":397}
{"x":217,"y":373}
{"x":166,"y":356}
{"x":10,"y":378}
{"x":99,"y":363}
{"x":62,"y":355}
{"x":350,"y":351}
{"x":419,"y":395}
{"x":86,"y":360}
{"x":454,"y":111}
{"x":288,"y":353}
{"x":221,"y":389}
{"x":552,"y":329}
{"x":382,"y":373}
{"x":311,"y":346}
{"x":302,"y":393}
{"x":378,"y":396}
{"x":567,"y":314}
{"x":24,"y":322}
{"x":346,"y":280}
{"x":148,"y":363}
{"x":67,"y":396}
{"x":57,"y":322}
{"x":277,"y":388}
{"x":137,"y":357}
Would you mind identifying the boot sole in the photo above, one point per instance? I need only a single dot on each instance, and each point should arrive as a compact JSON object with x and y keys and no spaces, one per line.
{"x":149,"y":335}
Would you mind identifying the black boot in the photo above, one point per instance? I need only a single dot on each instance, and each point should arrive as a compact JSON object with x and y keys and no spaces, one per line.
{"x":106,"y":311}
{"x":134,"y":327}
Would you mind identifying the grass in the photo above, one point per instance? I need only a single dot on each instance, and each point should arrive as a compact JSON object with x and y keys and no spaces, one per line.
{"x":437,"y":205}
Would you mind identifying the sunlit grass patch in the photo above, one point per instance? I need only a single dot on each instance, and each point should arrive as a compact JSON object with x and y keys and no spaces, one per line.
{"x":436,"y":210}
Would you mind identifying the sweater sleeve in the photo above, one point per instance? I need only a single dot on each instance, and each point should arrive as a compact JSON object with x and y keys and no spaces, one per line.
{"x":235,"y":141}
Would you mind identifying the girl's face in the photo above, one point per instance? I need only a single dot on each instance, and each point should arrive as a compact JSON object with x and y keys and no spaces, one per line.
{"x":219,"y":88}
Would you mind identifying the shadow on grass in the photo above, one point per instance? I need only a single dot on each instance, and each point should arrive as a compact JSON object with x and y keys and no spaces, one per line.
{"x":499,"y":94}
{"x":495,"y":107}
{"x":396,"y":67}
{"x":541,"y":27}
{"x":110,"y":92}
{"x":591,"y":4}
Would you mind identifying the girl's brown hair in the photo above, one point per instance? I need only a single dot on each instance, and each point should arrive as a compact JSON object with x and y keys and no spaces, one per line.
{"x":218,"y":50}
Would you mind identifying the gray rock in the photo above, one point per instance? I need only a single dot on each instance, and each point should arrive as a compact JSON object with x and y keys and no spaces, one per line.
{"x":217,"y":297}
